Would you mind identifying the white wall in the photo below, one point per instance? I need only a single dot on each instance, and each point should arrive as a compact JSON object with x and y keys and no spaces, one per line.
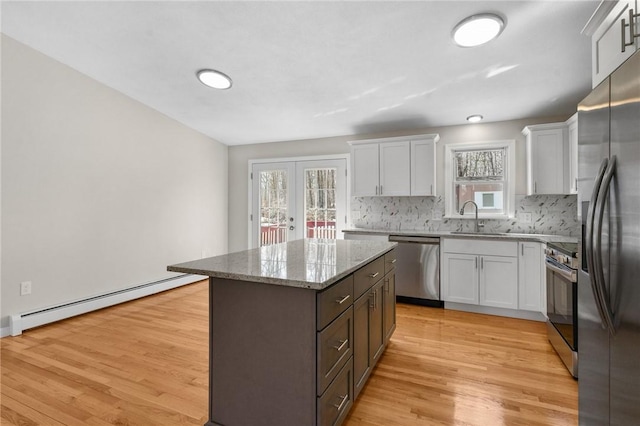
{"x":99,"y":192}
{"x":240,"y":155}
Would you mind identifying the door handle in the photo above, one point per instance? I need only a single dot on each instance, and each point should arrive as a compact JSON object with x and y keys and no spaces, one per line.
{"x":291,"y":228}
{"x":603,"y":194}
{"x":588,"y":242}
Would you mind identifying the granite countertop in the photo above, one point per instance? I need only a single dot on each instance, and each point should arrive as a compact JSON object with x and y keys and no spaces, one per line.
{"x":542,"y":238}
{"x":308,"y":263}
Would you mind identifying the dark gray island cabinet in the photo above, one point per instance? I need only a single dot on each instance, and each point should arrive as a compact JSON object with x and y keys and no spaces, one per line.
{"x":295,"y":329}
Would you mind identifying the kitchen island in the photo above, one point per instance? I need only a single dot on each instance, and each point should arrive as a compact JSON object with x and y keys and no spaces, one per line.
{"x":295,"y":328}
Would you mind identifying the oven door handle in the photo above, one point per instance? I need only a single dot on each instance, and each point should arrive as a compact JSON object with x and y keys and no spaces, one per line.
{"x":568,"y":274}
{"x":603,"y":194}
{"x":588,"y":240}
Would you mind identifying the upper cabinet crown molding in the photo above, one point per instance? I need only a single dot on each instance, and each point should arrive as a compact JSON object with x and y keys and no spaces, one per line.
{"x":598,"y":17}
{"x":398,"y":166}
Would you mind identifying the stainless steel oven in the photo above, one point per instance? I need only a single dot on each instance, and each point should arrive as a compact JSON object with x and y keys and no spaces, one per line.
{"x":562,"y":302}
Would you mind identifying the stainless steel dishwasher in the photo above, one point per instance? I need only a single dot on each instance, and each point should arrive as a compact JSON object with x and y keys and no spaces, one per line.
{"x":418,"y":270}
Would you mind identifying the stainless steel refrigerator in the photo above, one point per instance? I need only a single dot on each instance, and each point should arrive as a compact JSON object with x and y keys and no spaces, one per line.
{"x":609,"y":275}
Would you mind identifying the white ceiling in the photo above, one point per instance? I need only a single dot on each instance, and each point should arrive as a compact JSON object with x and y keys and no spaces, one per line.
{"x":313,"y":69}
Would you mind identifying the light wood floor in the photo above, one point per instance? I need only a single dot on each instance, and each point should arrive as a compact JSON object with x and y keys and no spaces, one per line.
{"x":145,"y":363}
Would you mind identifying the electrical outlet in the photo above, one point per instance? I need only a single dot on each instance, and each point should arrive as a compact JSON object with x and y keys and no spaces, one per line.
{"x":525,"y":217}
{"x":25,"y":288}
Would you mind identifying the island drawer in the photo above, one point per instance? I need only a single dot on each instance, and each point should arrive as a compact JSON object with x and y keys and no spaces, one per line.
{"x":390,"y":261}
{"x":334,"y":301}
{"x":367,"y":276}
{"x":334,"y":346}
{"x":334,"y":405}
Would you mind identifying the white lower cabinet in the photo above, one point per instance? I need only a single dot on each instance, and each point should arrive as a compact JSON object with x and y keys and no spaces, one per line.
{"x":531,"y":288}
{"x":499,"y":274}
{"x":499,"y":281}
{"x":460,"y":278}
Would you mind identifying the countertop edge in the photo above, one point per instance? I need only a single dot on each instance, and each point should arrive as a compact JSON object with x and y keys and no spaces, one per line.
{"x":282,"y":281}
{"x":540,"y":238}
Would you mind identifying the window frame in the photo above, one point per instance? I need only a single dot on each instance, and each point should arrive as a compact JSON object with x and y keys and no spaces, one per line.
{"x":509,"y":189}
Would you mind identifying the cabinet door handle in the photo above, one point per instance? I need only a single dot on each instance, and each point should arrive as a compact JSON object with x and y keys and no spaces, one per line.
{"x":522,"y":248}
{"x":342,"y":345}
{"x":431,"y":189}
{"x":380,"y":189}
{"x":344,"y":299}
{"x":344,"y":401}
{"x":632,"y":30}
{"x":476,"y":262}
{"x":374,"y":275}
{"x":386,"y":285}
{"x":482,"y":263}
{"x":535,"y":187}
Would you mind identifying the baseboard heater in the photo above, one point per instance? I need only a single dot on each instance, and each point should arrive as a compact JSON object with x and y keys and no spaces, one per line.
{"x":20,"y":322}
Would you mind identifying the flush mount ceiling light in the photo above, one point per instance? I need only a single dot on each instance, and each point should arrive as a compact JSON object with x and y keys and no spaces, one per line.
{"x":474,"y":118}
{"x":477,"y":29}
{"x":215,"y":79}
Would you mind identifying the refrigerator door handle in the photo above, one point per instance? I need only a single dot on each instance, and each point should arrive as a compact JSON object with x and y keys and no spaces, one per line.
{"x":588,"y":240}
{"x":597,"y":246}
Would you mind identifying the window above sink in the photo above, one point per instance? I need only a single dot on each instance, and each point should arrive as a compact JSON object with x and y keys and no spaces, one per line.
{"x":482,"y":172}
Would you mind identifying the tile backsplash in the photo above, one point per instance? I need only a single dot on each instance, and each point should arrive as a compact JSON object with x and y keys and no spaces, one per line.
{"x":550,"y":214}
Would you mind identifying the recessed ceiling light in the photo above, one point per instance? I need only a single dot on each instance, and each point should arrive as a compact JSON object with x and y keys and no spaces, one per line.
{"x":215,"y":79}
{"x":474,"y":118}
{"x":477,"y":29}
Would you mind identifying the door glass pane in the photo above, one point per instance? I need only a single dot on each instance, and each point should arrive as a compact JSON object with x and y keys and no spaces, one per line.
{"x":273,"y":206}
{"x":319,"y":203}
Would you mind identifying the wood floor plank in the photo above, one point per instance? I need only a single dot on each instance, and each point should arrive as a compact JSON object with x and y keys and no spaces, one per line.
{"x":146,"y":363}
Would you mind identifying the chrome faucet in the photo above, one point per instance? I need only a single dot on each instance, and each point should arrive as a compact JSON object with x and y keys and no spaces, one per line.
{"x":476,"y":206}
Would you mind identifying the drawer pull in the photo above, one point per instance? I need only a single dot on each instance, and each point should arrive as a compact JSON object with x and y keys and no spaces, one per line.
{"x":374,"y":275}
{"x":394,"y":261}
{"x":344,"y":299}
{"x":342,"y":345}
{"x":340,"y":406}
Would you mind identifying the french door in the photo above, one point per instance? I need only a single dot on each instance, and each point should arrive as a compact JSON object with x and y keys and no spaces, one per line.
{"x":297,"y":199}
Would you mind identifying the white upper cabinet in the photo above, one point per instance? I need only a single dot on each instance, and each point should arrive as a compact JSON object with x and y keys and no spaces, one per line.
{"x":395,"y":170}
{"x":365,"y":174}
{"x":423,"y":166}
{"x":399,"y":166}
{"x":611,"y":41}
{"x":547,"y":158}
